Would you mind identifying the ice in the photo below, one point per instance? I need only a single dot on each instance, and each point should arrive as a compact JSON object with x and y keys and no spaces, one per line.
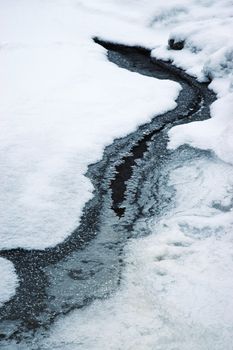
{"x":9,"y":280}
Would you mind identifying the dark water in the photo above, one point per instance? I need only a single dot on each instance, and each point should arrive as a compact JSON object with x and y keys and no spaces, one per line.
{"x":88,"y":264}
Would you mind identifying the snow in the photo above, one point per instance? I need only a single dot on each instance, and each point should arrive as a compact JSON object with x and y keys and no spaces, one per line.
{"x":9,"y":280}
{"x":215,"y":134}
{"x":62,"y":102}
{"x":207,"y":53}
{"x":177,"y":285}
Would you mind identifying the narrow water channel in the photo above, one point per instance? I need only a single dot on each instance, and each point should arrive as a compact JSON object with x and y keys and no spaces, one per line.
{"x":88,"y":264}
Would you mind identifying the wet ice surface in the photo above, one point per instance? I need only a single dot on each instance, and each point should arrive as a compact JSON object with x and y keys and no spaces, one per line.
{"x":176,"y":290}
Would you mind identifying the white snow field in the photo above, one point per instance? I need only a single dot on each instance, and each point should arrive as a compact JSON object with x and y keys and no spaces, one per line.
{"x":62,"y":102}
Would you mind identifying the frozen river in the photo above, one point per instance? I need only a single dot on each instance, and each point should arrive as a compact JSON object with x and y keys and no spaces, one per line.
{"x":132,"y":189}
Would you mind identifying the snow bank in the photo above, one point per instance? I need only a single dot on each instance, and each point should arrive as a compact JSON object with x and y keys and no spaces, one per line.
{"x":61,"y":103}
{"x":9,"y":281}
{"x":215,"y":134}
{"x":207,"y":53}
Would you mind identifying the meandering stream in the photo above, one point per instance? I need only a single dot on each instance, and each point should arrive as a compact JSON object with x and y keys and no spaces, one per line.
{"x":88,"y":264}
